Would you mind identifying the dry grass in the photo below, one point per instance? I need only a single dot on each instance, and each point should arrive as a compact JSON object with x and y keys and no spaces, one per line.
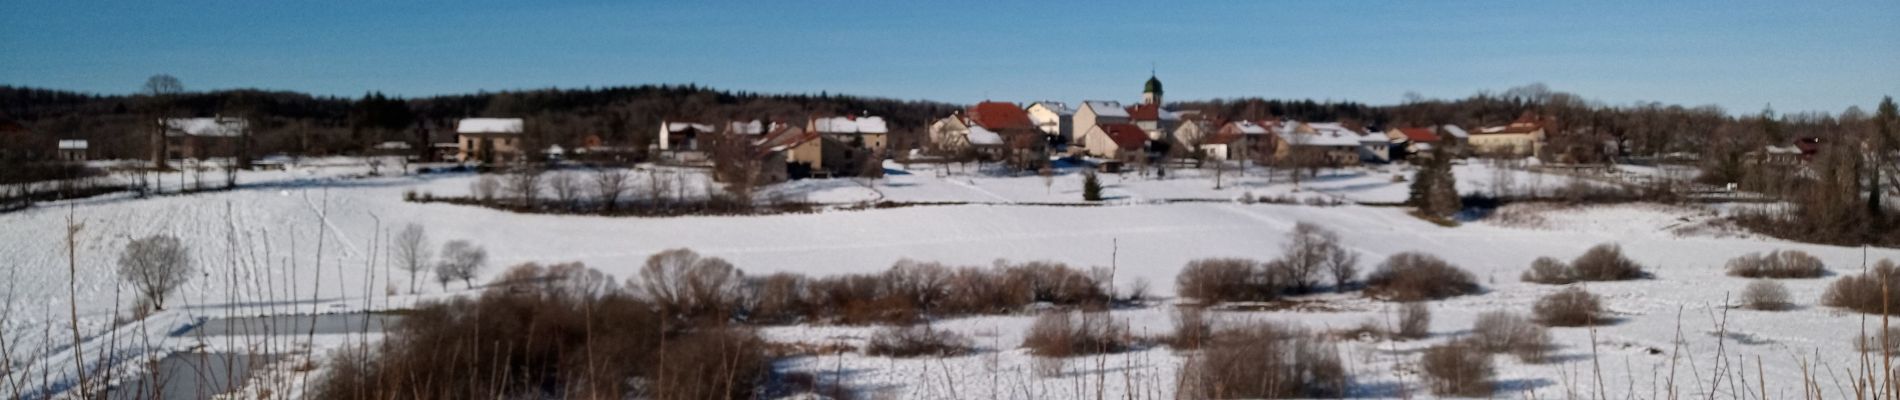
{"x":1864,"y":292}
{"x":1059,"y":334}
{"x":1777,"y":264}
{"x":1458,"y":368}
{"x":1765,"y":295}
{"x":1572,"y":306}
{"x":1413,"y":276}
{"x":917,"y":341}
{"x":1508,"y":332}
{"x":1264,"y":361}
{"x":1415,"y":321}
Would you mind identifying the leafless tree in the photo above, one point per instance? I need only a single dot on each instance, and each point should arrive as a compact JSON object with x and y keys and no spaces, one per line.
{"x":411,"y":249}
{"x":688,"y":285}
{"x":1343,"y":264}
{"x":461,"y":260}
{"x":567,"y":189}
{"x":485,"y":188}
{"x":1309,"y":249}
{"x":162,"y":90}
{"x":609,"y":185}
{"x":524,"y":183}
{"x":156,"y":266}
{"x":736,"y":162}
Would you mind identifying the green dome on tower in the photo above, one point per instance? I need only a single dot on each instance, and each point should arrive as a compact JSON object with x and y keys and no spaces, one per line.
{"x":1153,"y":86}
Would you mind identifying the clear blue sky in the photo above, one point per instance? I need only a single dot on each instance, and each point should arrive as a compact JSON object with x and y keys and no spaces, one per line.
{"x":1741,"y":55}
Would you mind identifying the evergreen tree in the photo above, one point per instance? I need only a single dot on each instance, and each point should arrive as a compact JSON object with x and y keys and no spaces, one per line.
{"x":1434,"y":190}
{"x":1091,"y":187}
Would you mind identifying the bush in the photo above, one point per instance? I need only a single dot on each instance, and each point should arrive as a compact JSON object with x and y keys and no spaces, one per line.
{"x":1765,"y":295}
{"x":1413,"y":276}
{"x":1059,"y":334}
{"x":565,"y":343}
{"x":688,"y":286}
{"x":1214,"y":280}
{"x":917,"y":341}
{"x":1777,"y":264}
{"x":1570,"y":307}
{"x":1459,"y":368}
{"x":1415,"y":321}
{"x":1191,"y":328}
{"x":1508,"y":332}
{"x":1091,"y":187}
{"x":1605,"y":262}
{"x":1549,"y":271}
{"x":1264,"y":361}
{"x":1866,"y":292}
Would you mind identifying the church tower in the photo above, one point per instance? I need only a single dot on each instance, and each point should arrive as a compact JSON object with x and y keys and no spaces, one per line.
{"x":1151,"y":92}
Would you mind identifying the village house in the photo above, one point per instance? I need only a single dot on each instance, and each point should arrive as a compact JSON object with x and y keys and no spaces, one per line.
{"x":1520,"y":138}
{"x":1240,"y":139}
{"x":1410,"y":141}
{"x":1331,"y":143}
{"x":1093,"y":113}
{"x":202,"y":138}
{"x":682,"y":136}
{"x":849,"y":142}
{"x":1055,"y":119}
{"x":790,"y":152}
{"x":489,"y":140}
{"x":1454,"y":138}
{"x":73,"y":150}
{"x":1123,"y":142}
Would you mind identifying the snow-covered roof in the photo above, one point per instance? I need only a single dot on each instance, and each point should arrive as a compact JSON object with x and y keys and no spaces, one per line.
{"x":1783,"y":150}
{"x":850,"y":125}
{"x":556,"y":150}
{"x":1058,"y":107}
{"x":392,"y":145}
{"x":754,"y":127}
{"x":72,"y":144}
{"x":215,"y":126}
{"x":677,"y":126}
{"x":1324,"y":134}
{"x":1102,"y":108}
{"x":984,"y":137}
{"x":1246,"y":127}
{"x":1453,"y":130}
{"x":488,"y":125}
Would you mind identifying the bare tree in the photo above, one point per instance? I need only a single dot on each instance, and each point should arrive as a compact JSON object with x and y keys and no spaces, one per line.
{"x":524,"y":183}
{"x":156,"y":266}
{"x":162,"y":89}
{"x":486,"y":188}
{"x":688,"y":285}
{"x":609,"y":185}
{"x":412,"y":252}
{"x":1310,"y":249}
{"x":461,"y":260}
{"x":567,"y":189}
{"x":1343,"y":264}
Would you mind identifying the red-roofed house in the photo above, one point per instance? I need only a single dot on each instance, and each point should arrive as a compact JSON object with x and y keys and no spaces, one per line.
{"x":1122,"y":142}
{"x":1411,"y":141}
{"x":1522,"y":137}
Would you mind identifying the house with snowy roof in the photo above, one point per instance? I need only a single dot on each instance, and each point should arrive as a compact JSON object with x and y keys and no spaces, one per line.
{"x":1333,"y":143}
{"x":1055,"y":119}
{"x":200,"y":138}
{"x":1097,"y":112}
{"x":849,"y":142}
{"x":489,"y":140}
{"x":1122,"y":142}
{"x":73,"y":150}
{"x":1241,"y":139}
{"x":678,"y":135}
{"x":1412,"y":141}
{"x":1522,"y":137}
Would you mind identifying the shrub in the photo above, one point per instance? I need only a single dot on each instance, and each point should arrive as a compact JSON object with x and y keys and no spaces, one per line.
{"x":1213,"y":280}
{"x":1605,"y":262}
{"x":916,"y":341}
{"x":1570,"y":307}
{"x":1191,"y":328}
{"x":978,"y":290}
{"x":1057,"y":283}
{"x":1549,"y":271}
{"x":1060,"y":334}
{"x":1413,"y":276}
{"x":156,"y":266}
{"x":778,"y":298}
{"x":1458,"y":368}
{"x":1415,"y":321}
{"x":1264,"y":361}
{"x":1091,"y":187}
{"x":1865,"y":292}
{"x":688,"y":286}
{"x":1777,"y":264}
{"x":1508,"y":332}
{"x":1765,"y":295}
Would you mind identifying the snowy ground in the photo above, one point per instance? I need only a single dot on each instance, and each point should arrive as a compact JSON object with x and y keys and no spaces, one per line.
{"x":291,"y":236}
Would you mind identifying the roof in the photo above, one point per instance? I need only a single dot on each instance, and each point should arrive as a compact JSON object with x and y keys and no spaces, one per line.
{"x":1772,"y":149}
{"x":1329,"y":134}
{"x":212,"y":127}
{"x":72,"y":144}
{"x":1058,"y":107}
{"x":488,"y":125}
{"x":1418,"y":135}
{"x":850,"y":124}
{"x":1127,"y":136}
{"x":1453,"y":130}
{"x":682,"y":126}
{"x":393,"y":145}
{"x":755,"y":127}
{"x":996,"y":115}
{"x":1246,"y":127}
{"x":1151,"y":112}
{"x":1153,"y":85}
{"x":1106,"y":108}
{"x":984,"y":137}
{"x":785,"y":137}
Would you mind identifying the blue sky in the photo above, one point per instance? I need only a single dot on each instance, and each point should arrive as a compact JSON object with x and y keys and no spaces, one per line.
{"x":1741,"y":55}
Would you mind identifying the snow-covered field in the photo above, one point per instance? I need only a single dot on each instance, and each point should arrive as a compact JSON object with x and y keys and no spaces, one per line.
{"x":308,"y":233}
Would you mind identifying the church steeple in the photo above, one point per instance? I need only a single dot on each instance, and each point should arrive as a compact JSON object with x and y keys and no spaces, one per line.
{"x":1151,"y":92}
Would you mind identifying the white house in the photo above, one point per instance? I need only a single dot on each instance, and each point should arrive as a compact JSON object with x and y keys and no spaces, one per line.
{"x":682,"y":135}
{"x":489,"y":140}
{"x":1096,"y":112}
{"x":1054,"y":118}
